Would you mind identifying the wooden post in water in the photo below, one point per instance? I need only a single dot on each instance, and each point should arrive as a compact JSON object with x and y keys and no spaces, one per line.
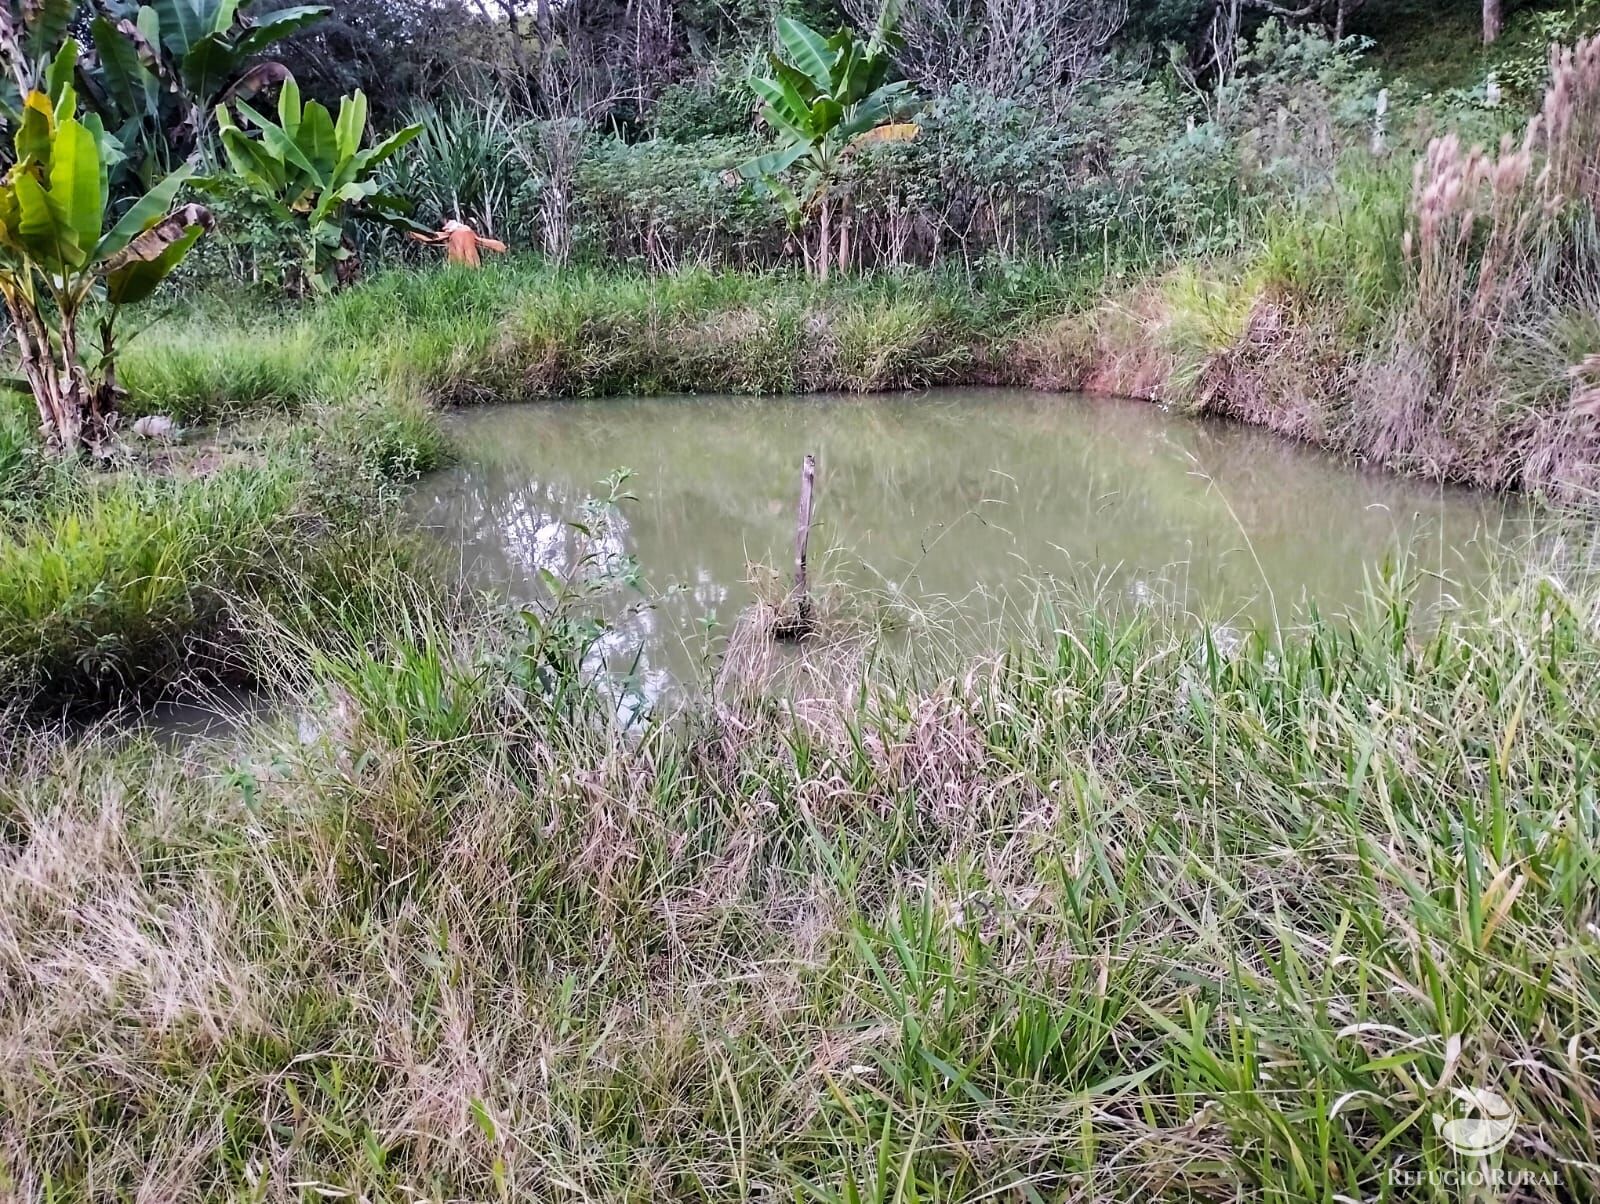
{"x":797,"y":623}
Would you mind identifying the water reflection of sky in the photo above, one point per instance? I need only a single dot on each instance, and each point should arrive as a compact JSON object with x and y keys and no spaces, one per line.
{"x":950,"y":494}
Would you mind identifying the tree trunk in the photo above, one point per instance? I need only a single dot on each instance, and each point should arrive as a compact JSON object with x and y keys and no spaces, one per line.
{"x":74,"y":415}
{"x":824,"y":240}
{"x":1494,"y":20}
{"x":52,"y":390}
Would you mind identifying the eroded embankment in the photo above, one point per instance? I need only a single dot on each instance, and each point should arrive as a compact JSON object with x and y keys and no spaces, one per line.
{"x":1510,"y":410}
{"x":1267,"y":358}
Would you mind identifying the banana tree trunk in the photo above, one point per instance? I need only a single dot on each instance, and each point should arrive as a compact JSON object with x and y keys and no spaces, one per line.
{"x":52,"y":388}
{"x":73,"y":414}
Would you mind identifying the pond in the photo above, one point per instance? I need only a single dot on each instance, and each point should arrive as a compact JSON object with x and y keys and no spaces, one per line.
{"x":948,"y":494}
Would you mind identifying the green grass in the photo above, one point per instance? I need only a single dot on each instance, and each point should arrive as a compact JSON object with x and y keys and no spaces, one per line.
{"x":519,"y":330}
{"x":1116,"y":914}
{"x":110,"y":586}
{"x":119,"y":584}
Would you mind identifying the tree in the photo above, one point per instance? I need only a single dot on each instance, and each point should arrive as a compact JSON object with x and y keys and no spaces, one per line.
{"x":58,"y":259}
{"x":1494,"y":20}
{"x":1333,"y":15}
{"x":823,"y":96}
{"x":155,"y":70}
{"x":31,"y":35}
{"x":395,"y":51}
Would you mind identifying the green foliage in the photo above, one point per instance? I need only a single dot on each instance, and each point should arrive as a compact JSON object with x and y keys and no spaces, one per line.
{"x":24,"y":470}
{"x":1297,"y":104}
{"x":162,"y":71}
{"x":467,"y":163}
{"x":120,"y":584}
{"x":519,"y":328}
{"x":312,"y":172}
{"x":1342,"y":252}
{"x":156,"y":70}
{"x":1523,"y":63}
{"x":818,"y":99}
{"x":105,"y":589}
{"x":34,"y":35}
{"x":1157,"y":23}
{"x":666,"y":205}
{"x":60,"y":251}
{"x":713,"y":104}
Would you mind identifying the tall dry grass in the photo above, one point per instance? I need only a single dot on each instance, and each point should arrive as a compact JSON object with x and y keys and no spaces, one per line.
{"x":1118,"y":914}
{"x":1496,"y":243}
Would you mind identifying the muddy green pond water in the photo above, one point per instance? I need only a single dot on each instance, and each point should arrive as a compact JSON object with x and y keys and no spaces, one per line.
{"x":948,"y":494}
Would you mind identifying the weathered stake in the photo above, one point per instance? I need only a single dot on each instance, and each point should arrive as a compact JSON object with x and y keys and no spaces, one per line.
{"x":797,"y":623}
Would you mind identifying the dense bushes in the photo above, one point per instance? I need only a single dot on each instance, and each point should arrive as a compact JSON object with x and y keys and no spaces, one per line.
{"x":1137,"y":167}
{"x":664,"y":205}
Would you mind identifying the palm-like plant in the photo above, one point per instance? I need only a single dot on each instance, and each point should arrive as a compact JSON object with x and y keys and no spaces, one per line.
{"x":312,"y":172}
{"x":170,"y":62}
{"x":155,"y":71}
{"x":57,"y":256}
{"x":465,"y":165}
{"x":826,"y":93}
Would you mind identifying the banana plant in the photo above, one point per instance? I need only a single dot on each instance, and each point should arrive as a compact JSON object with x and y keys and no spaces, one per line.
{"x":821,"y":97}
{"x":60,"y":254}
{"x":168,"y":64}
{"x":311,"y":172}
{"x":154,"y":71}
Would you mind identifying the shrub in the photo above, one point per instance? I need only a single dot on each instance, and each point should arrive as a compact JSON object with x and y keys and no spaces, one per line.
{"x":668,"y":205}
{"x":469,"y":163}
{"x":714,"y":103}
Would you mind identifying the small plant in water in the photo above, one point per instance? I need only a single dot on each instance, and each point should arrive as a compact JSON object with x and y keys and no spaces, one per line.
{"x":573,"y":633}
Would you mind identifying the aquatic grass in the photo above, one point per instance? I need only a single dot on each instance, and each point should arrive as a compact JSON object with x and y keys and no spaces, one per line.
{"x":1115,"y":910}
{"x":894,"y":344}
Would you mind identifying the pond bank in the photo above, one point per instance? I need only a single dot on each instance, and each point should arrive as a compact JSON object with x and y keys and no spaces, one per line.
{"x":1228,"y":339}
{"x":1115,"y":906}
{"x":1123,"y":909}
{"x":315,"y":418}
